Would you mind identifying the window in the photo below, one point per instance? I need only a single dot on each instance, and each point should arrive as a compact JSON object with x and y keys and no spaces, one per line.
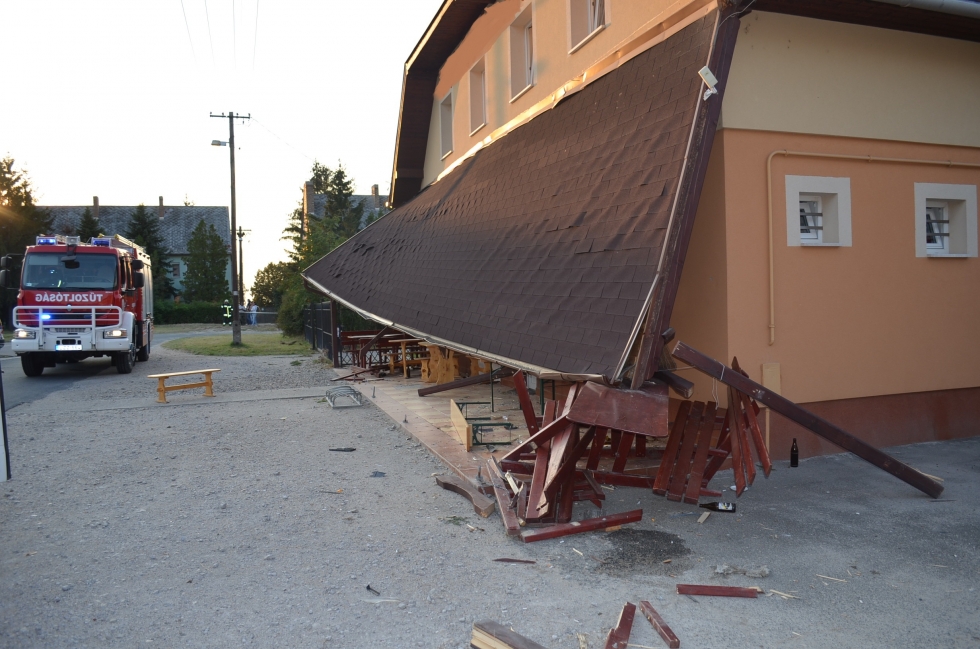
{"x":175,"y":267}
{"x":446,"y":124}
{"x":585,"y":18}
{"x":521,"y":54}
{"x":945,"y":220}
{"x":818,"y":211}
{"x":478,"y":93}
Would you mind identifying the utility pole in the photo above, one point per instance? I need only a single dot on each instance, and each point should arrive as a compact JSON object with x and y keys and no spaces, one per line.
{"x":241,"y":267}
{"x":236,"y":325}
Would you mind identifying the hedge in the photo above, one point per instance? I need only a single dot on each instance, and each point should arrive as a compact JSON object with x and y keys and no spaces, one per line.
{"x":166,"y":312}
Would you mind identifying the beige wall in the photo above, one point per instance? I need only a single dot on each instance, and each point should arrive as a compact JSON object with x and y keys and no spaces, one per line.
{"x":801,"y":75}
{"x":553,"y":63}
{"x":870,"y":319}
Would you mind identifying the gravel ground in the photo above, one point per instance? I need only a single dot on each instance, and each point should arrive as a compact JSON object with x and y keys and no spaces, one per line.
{"x":232,"y":525}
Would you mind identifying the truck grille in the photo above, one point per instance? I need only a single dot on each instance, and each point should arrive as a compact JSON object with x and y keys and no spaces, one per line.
{"x":70,"y":330}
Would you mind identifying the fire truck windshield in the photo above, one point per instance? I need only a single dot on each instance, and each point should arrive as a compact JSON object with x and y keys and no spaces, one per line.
{"x":53,"y":270}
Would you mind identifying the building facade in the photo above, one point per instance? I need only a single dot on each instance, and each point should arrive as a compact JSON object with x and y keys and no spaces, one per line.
{"x":834,"y":247}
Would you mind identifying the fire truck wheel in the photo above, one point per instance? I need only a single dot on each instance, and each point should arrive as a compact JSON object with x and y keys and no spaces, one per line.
{"x":143,"y":354}
{"x":125,"y":361}
{"x":31,"y":365}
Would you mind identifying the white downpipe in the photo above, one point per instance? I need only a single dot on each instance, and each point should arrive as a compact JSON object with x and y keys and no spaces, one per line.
{"x":957,"y":7}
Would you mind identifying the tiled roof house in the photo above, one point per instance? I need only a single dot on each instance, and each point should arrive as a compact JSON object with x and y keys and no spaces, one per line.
{"x":177,"y":222}
{"x":790,"y":181}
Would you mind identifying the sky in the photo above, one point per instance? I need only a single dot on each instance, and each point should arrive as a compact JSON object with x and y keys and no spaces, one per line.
{"x":112,"y":99}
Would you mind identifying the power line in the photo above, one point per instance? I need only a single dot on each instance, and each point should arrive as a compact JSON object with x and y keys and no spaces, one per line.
{"x":210,"y":40}
{"x":189,"y":39}
{"x":255,"y":36}
{"x":234,"y":32}
{"x":255,"y":121}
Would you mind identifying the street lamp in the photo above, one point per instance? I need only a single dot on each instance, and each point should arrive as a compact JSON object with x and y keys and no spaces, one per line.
{"x":236,"y":326}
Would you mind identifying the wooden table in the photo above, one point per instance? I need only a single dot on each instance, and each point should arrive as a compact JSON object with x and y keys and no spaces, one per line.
{"x":405,"y":342}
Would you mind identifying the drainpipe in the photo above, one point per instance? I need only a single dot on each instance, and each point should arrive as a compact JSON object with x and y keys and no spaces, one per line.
{"x":965,"y":8}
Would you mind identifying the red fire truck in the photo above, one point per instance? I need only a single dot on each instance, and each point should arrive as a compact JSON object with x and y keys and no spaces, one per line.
{"x":79,"y":300}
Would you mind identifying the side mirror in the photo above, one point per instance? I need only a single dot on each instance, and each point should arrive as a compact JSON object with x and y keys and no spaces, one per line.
{"x":137,"y":264}
{"x":6,"y":262}
{"x":3,"y":277}
{"x":138,"y":280}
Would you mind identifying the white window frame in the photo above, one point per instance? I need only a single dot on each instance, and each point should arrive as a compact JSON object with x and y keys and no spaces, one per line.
{"x":478,"y":96}
{"x":960,"y":206}
{"x":812,"y":215}
{"x":446,"y":125}
{"x":588,"y":16}
{"x":522,"y":53}
{"x":834,"y":198}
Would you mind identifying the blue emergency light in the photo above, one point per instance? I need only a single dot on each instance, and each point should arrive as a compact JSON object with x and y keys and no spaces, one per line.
{"x":101,"y":241}
{"x":45,"y":316}
{"x":47,"y":241}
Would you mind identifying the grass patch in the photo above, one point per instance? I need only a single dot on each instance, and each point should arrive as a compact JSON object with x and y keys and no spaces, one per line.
{"x":252,"y":345}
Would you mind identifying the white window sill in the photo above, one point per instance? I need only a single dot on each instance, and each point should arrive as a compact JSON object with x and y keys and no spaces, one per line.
{"x":817,"y":244}
{"x":446,"y":154}
{"x":473,"y":132}
{"x":940,"y":255}
{"x":521,"y":93}
{"x":585,"y":40}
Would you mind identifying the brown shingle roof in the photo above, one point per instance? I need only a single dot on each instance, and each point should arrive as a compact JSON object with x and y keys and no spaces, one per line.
{"x":543,"y":246}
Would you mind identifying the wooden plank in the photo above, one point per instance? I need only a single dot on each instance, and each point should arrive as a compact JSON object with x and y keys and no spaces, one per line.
{"x":623,"y":452}
{"x":169,"y":374}
{"x":549,"y":412}
{"x":492,"y":635}
{"x":559,"y":446}
{"x":463,"y":428}
{"x":720,"y":453}
{"x":685,"y":455}
{"x":701,"y":454}
{"x":643,"y":411}
{"x":743,"y":437}
{"x":716,"y":591}
{"x":733,"y":436}
{"x":619,"y":635}
{"x":751,"y":413}
{"x":542,"y":436}
{"x":538,"y":476}
{"x":507,"y":513}
{"x":577,"y":527}
{"x":567,"y":470}
{"x":808,"y":420}
{"x":659,"y":625}
{"x":670,"y":452}
{"x":520,"y":386}
{"x":676,"y":383}
{"x":481,"y":504}
{"x":362,"y":352}
{"x":598,"y":442}
{"x":460,"y":383}
{"x":624,"y":480}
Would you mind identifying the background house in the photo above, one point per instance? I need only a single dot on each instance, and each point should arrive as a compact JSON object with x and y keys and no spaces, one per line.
{"x":834,"y":244}
{"x":177,"y":222}
{"x":373,"y":203}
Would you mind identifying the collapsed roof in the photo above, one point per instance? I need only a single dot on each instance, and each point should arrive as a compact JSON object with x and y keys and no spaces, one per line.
{"x":541,"y":249}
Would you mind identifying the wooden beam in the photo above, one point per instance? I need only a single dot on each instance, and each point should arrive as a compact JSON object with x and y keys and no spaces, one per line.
{"x":520,"y":386}
{"x":678,"y":384}
{"x":507,"y":512}
{"x":481,"y":504}
{"x":716,"y":591}
{"x":362,"y":352}
{"x":619,"y":636}
{"x":565,"y":529}
{"x":808,"y":420}
{"x":661,"y":627}
{"x":462,"y":383}
{"x":491,"y":635}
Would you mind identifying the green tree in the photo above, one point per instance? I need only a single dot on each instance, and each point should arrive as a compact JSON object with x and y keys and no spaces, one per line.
{"x":270,"y":284}
{"x":20,"y":222}
{"x":88,"y":226}
{"x":144,"y":229}
{"x":207,"y":262}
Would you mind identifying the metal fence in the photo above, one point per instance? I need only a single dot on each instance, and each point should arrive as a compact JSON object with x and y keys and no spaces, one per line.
{"x":318,"y":328}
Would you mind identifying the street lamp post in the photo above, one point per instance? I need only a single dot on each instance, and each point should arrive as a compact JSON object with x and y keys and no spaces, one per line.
{"x":241,"y":267}
{"x":236,"y":326}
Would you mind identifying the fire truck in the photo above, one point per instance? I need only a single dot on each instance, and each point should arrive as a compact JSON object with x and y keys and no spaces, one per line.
{"x":79,"y":300}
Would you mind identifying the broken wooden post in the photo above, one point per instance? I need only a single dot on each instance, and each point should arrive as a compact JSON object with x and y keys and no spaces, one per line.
{"x":619,"y":636}
{"x":661,"y":627}
{"x":808,"y":420}
{"x":462,"y":383}
{"x":481,"y":504}
{"x":716,"y":591}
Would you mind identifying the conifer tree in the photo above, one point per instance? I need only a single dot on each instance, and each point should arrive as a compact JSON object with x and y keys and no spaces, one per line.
{"x":144,"y":229}
{"x":88,"y":226}
{"x":207,"y":261}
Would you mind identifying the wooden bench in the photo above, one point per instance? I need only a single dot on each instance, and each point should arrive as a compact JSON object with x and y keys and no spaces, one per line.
{"x":163,"y":388}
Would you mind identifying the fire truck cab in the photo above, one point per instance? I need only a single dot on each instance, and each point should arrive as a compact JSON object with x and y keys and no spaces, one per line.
{"x":79,"y":300}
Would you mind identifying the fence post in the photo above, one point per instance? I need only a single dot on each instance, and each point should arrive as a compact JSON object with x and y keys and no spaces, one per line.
{"x":338,"y":352}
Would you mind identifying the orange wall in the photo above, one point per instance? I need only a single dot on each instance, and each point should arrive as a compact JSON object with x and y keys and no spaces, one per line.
{"x":870,"y":319}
